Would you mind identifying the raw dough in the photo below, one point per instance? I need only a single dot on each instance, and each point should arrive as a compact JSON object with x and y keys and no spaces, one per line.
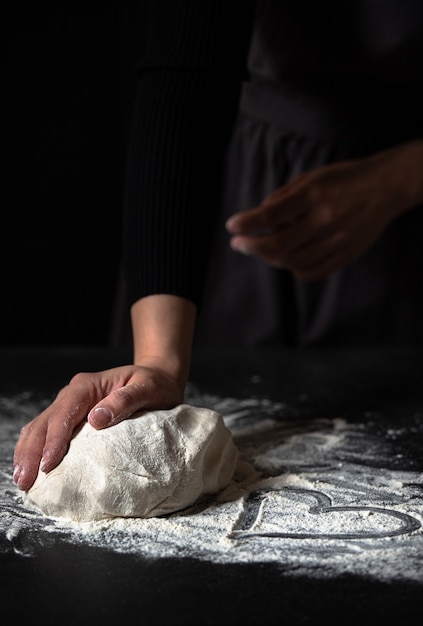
{"x":156,"y":463}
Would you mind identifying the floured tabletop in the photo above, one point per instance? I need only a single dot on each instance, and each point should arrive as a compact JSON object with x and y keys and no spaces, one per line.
{"x":322,"y":522}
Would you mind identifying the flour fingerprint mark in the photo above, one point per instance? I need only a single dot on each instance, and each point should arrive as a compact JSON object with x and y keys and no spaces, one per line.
{"x":406,"y":523}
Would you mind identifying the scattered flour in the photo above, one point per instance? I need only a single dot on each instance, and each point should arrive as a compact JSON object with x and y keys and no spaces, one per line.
{"x":318,"y":497}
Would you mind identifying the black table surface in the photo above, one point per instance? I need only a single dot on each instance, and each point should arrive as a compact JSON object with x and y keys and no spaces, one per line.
{"x":77,"y":584}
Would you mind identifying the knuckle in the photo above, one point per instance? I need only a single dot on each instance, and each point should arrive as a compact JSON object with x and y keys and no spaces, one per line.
{"x":320,"y":217}
{"x":130,"y":395}
{"x":124,"y":395}
{"x":78,"y":379}
{"x":26,"y":429}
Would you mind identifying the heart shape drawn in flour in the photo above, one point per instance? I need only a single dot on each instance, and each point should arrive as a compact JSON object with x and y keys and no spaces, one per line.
{"x":299,"y":513}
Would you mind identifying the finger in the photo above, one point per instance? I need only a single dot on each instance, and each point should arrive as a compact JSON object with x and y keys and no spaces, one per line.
{"x":281,"y":209}
{"x":42,"y":446}
{"x":28,"y":452}
{"x":67,"y":412}
{"x":118,"y":406}
{"x":326,"y":266}
{"x":147,"y":389}
{"x":305,"y":259}
{"x":273,"y":248}
{"x":278,"y":247}
{"x":44,"y":441}
{"x":310,"y":253}
{"x":321,"y":258}
{"x":255,"y":221}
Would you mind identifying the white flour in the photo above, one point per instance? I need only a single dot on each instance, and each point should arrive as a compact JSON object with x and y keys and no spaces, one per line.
{"x":318,"y":497}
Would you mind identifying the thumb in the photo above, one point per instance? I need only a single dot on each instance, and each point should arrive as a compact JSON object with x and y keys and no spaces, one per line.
{"x":101,"y":417}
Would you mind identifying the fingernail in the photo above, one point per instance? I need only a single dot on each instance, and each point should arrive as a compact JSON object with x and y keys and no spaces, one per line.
{"x":16,"y":473}
{"x":229,"y":223}
{"x":100,"y":416}
{"x":44,"y":462}
{"x":239,"y":247}
{"x":20,"y":481}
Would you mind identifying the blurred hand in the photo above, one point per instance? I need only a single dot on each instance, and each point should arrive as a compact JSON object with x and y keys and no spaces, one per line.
{"x":328,"y":217}
{"x":106,"y":397}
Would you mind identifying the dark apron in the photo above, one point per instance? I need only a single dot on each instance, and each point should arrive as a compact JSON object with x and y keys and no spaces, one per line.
{"x":378,"y":299}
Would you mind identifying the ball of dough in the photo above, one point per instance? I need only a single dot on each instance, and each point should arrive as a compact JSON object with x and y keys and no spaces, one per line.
{"x":155,"y":463}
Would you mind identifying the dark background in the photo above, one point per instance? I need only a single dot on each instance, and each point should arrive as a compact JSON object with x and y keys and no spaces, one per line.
{"x":68,"y":89}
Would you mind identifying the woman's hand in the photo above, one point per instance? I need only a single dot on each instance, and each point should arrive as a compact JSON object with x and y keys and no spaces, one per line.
{"x":326,"y":218}
{"x":163,"y":327}
{"x":106,"y":397}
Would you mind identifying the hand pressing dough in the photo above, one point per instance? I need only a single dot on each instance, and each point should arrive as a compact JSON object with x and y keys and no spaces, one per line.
{"x":156,"y":463}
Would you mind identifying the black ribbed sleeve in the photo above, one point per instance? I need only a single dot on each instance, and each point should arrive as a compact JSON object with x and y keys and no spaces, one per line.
{"x":190,"y":75}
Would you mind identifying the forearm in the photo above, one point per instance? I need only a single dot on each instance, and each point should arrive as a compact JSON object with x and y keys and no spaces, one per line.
{"x":163,"y":328}
{"x":194,"y":53}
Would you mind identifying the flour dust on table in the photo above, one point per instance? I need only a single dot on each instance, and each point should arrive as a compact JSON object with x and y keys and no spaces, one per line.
{"x":317,"y":497}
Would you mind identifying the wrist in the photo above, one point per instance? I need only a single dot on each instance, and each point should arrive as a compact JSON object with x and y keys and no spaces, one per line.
{"x":163,"y":329}
{"x":400,"y":171}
